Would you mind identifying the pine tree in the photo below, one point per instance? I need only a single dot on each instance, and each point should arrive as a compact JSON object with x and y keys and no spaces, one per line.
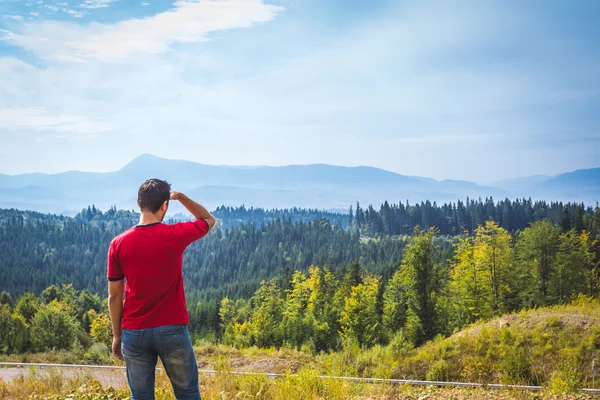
{"x":565,"y":221}
{"x":422,"y":281}
{"x":296,"y":325}
{"x":394,"y":305}
{"x":359,"y":319}
{"x":537,"y":247}
{"x":469,"y":285}
{"x":568,"y":278}
{"x":265,"y":323}
{"x":323,"y":311}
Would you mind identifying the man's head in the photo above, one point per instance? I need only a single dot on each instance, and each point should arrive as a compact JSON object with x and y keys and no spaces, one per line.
{"x":153,"y":197}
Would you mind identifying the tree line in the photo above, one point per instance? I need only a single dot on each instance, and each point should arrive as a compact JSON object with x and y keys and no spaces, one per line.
{"x":454,"y":218}
{"x":490,"y":272}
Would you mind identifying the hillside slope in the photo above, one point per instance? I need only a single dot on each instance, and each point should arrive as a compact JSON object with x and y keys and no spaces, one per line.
{"x":548,"y":346}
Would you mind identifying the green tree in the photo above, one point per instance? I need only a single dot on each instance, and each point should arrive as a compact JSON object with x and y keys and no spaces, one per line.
{"x":18,"y":334}
{"x":53,"y":327}
{"x":227,"y":313}
{"x":469,"y":286}
{"x":296,"y":324}
{"x":579,"y":217}
{"x":27,"y":305}
{"x":592,"y":262}
{"x":359,"y":319}
{"x":100,"y":328}
{"x":569,"y":273}
{"x":5,"y":298}
{"x":323,"y":311}
{"x":394,"y":305}
{"x":265,"y":323}
{"x":13,"y":331}
{"x":537,"y":247}
{"x":493,"y":251}
{"x":565,"y":221}
{"x":423,"y":281}
{"x":354,"y":276}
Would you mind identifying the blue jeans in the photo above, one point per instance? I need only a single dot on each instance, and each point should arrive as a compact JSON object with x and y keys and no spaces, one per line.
{"x":173,"y":345}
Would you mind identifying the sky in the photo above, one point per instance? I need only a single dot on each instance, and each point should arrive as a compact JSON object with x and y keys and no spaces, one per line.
{"x":473,"y":90}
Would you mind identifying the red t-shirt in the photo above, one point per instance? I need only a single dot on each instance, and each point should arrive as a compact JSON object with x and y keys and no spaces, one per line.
{"x":149,"y":257}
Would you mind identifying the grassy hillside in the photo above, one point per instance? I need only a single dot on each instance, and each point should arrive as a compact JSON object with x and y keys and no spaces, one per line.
{"x":549,"y":346}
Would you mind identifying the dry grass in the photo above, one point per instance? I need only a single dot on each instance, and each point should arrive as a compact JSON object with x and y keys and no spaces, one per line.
{"x":225,"y":385}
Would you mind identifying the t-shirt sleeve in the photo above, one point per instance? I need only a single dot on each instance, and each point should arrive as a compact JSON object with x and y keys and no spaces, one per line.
{"x":188,"y":232}
{"x":115,"y":272}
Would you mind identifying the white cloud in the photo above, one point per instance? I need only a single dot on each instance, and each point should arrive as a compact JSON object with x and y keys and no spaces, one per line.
{"x":75,"y":14}
{"x":6,"y":35}
{"x":14,"y":17}
{"x":52,"y":8}
{"x":96,"y":3}
{"x":144,"y":3}
{"x":38,"y":119}
{"x":34,"y":14}
{"x":188,"y":22}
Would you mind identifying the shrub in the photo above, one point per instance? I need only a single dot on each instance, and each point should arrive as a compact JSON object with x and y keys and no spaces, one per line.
{"x":516,"y":367}
{"x":438,"y":371}
{"x":97,"y":353}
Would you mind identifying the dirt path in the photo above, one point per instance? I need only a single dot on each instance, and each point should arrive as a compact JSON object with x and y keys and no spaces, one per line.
{"x":114,"y":378}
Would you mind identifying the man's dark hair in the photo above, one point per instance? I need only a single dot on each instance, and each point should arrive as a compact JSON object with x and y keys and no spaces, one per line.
{"x":153,"y":193}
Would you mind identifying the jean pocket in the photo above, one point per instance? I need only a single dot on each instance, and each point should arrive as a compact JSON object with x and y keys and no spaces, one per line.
{"x":131,"y":344}
{"x":175,"y":339}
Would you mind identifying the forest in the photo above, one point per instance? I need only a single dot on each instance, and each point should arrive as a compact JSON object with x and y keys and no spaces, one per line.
{"x":309,"y":284}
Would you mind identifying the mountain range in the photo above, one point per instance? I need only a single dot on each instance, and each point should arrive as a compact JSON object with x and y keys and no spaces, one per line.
{"x":308,"y":186}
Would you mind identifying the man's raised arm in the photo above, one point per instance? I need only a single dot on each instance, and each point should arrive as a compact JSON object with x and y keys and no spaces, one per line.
{"x":196,"y":209}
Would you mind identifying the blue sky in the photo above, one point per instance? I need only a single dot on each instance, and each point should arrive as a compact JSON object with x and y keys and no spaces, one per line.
{"x":446,"y":89}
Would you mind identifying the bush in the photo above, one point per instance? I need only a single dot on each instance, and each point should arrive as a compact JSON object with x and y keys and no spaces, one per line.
{"x":569,"y":378}
{"x":438,"y":371}
{"x":97,"y":353}
{"x":516,"y":368}
{"x":53,"y":327}
{"x":400,"y":345}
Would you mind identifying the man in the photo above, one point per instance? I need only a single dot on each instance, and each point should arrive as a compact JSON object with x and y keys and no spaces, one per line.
{"x":151,"y":319}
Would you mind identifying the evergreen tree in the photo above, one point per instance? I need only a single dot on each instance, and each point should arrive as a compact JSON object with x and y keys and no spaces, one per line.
{"x":422,"y":281}
{"x":265,"y":323}
{"x":323,"y":311}
{"x":565,"y":221}
{"x":6,"y":298}
{"x":296,"y":324}
{"x":568,"y":278}
{"x":469,"y":286}
{"x":394,"y":305}
{"x":359,"y":319}
{"x":537,"y":247}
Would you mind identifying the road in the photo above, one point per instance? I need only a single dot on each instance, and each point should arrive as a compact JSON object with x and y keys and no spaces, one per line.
{"x":107,"y":378}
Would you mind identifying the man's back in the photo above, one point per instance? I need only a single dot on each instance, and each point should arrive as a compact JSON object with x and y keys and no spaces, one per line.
{"x":149,"y":257}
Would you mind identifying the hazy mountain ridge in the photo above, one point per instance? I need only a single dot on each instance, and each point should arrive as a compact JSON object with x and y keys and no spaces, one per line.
{"x":317,"y":186}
